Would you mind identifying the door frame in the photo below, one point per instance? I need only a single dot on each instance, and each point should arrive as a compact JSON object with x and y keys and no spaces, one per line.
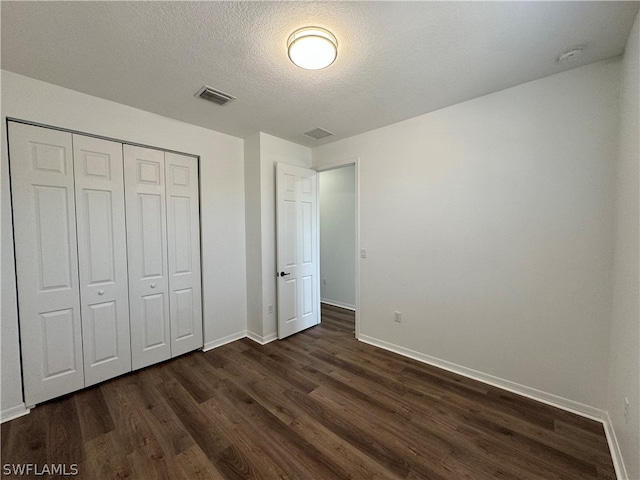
{"x":355,"y":161}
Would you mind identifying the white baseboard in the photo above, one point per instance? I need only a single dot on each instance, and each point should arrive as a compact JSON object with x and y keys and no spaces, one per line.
{"x":262,"y":340}
{"x":13,"y":412}
{"x":336,"y":303}
{"x":529,"y":392}
{"x":224,"y":340}
{"x":614,"y":447}
{"x":237,"y":336}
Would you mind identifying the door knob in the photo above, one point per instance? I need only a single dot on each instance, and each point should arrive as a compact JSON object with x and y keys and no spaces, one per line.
{"x":153,"y":285}
{"x":100,"y":292}
{"x":282,"y":274}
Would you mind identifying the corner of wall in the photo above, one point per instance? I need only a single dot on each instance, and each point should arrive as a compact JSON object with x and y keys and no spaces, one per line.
{"x":253,"y":229}
{"x":11,"y":401}
{"x":262,"y":340}
{"x":623,"y":423}
{"x":614,"y":448}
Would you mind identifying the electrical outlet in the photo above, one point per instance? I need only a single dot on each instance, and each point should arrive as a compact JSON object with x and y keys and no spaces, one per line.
{"x":397,"y":317}
{"x":269,"y":309}
{"x":626,"y":409}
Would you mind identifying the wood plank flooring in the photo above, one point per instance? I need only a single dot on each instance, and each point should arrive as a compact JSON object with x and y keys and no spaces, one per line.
{"x":318,"y":405}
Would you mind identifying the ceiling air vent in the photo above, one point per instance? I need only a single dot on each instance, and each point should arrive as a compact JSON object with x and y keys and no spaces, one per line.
{"x":318,"y":133}
{"x":215,"y":96}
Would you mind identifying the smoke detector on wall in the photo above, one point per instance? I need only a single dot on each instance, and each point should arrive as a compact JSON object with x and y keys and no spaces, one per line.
{"x":571,"y":56}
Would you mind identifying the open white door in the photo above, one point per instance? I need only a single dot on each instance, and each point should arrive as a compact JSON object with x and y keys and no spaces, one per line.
{"x":297,"y":236}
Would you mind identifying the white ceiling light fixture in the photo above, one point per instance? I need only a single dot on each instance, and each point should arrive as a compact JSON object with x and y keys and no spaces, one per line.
{"x":312,"y":48}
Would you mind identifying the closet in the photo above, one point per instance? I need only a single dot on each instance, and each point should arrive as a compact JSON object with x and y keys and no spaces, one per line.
{"x":107,"y":247}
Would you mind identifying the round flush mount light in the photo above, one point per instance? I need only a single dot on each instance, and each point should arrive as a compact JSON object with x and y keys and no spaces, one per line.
{"x":312,"y":48}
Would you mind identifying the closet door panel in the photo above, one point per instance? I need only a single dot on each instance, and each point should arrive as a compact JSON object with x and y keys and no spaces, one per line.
{"x":42,"y":187}
{"x":147,"y":250}
{"x":102,"y":253}
{"x":183,"y":220}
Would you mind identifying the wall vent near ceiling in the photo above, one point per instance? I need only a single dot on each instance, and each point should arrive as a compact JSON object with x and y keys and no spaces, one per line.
{"x":318,"y":133}
{"x":215,"y":96}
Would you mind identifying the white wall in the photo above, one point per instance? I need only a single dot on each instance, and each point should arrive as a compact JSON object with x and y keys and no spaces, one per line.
{"x":222,"y":199}
{"x":624,"y":372}
{"x":338,"y":236}
{"x":488,"y":224}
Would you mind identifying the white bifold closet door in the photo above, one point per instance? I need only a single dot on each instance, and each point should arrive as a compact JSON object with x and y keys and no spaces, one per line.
{"x":44,"y":218}
{"x":107,"y":246}
{"x":102,"y":254}
{"x":144,"y":179}
{"x":163,"y":241}
{"x":183,"y":241}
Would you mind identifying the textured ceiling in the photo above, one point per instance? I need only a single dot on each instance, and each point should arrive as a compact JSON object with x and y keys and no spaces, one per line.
{"x":396,"y":60}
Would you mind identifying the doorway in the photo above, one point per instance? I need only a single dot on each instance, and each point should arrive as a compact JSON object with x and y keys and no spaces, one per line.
{"x":338,"y":236}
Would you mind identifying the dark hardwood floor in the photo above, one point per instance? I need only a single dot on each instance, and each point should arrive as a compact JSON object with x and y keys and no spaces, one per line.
{"x":318,"y":405}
